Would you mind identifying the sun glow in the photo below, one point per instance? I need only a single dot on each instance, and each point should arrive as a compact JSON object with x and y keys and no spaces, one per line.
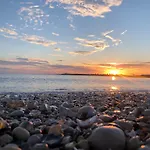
{"x":114,"y":72}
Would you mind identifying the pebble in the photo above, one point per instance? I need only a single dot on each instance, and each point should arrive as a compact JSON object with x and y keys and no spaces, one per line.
{"x":5,"y":139}
{"x":17,"y":113}
{"x":107,"y":137}
{"x":27,"y":125}
{"x":75,"y":121}
{"x":41,"y":146}
{"x":21,"y":134}
{"x":86,"y":112}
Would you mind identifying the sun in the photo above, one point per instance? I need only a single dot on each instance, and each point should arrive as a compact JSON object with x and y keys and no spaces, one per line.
{"x":113,"y":72}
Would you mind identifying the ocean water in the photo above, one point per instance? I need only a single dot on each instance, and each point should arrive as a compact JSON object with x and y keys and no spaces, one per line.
{"x":49,"y":83}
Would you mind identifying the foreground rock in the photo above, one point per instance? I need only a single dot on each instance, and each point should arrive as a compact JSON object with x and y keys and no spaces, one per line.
{"x":106,"y":138}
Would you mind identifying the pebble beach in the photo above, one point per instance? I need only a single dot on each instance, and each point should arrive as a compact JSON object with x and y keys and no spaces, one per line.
{"x":108,"y":120}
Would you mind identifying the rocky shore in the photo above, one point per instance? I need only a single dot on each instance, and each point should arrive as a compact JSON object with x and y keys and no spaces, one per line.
{"x":75,"y":121}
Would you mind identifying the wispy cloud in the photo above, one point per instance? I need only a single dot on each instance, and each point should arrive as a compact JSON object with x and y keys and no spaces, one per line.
{"x":23,"y":62}
{"x":34,"y":39}
{"x":8,"y":31}
{"x":87,"y":7}
{"x":115,"y":41}
{"x":91,"y":35}
{"x":56,"y":34}
{"x":107,"y":32}
{"x":38,"y":40}
{"x":72,"y":26}
{"x":83,"y":52}
{"x":124,"y":32}
{"x":96,"y":44}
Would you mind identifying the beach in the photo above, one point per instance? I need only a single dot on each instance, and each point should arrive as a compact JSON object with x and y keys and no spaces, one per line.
{"x":99,"y":120}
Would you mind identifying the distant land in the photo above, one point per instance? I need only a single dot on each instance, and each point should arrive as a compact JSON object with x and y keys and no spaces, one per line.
{"x":119,"y":75}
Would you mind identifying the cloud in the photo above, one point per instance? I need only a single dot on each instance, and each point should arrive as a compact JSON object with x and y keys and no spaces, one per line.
{"x":33,"y":15}
{"x":27,"y":3}
{"x":72,"y":26}
{"x":37,"y":40}
{"x":9,"y":36}
{"x":8,"y":31}
{"x":116,"y":42}
{"x":124,"y":32}
{"x":23,"y":62}
{"x":57,"y":49}
{"x":83,"y":52}
{"x":96,"y":44}
{"x":56,"y":34}
{"x":87,"y":7}
{"x":38,"y":66}
{"x":122,"y":65}
{"x":34,"y":39}
{"x":113,"y":2}
{"x":51,"y":7}
{"x":107,"y":32}
{"x":91,"y":35}
{"x":60,"y":60}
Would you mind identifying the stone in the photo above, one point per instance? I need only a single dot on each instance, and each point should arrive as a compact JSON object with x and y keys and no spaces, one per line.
{"x":67,"y":112}
{"x":66,"y":140}
{"x":148,"y":142}
{"x":146,"y":112}
{"x":107,"y":137}
{"x":17,"y":113}
{"x":43,"y":107}
{"x":41,"y":146}
{"x":125,"y":125}
{"x":34,"y":139}
{"x":35,"y":113}
{"x":83,"y":144}
{"x":106,"y":118}
{"x":31,"y":105}
{"x":21,"y":134}
{"x":5,"y":139}
{"x":52,"y":140}
{"x":138,"y":111}
{"x":86,"y":123}
{"x":134,"y":143}
{"x":11,"y":147}
{"x":3,"y":124}
{"x":86,"y":112}
{"x":70,"y":146}
{"x":27,"y":125}
{"x":15,"y":104}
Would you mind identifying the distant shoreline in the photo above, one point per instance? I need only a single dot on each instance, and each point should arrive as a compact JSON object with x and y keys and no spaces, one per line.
{"x":109,"y":75}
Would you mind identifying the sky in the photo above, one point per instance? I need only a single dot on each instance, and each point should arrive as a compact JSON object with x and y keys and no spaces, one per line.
{"x":74,"y":36}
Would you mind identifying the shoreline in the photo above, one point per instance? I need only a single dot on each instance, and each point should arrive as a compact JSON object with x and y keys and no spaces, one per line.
{"x":81,"y":91}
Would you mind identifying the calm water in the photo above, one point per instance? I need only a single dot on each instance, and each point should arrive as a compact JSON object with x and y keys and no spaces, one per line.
{"x":44,"y":83}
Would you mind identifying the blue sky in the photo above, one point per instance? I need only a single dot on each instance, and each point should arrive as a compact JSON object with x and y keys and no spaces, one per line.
{"x":77,"y":36}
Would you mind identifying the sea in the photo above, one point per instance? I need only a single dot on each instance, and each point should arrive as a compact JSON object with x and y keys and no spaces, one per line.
{"x":59,"y":83}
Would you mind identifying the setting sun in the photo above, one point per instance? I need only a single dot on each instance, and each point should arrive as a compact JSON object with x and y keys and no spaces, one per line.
{"x":113,"y":72}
